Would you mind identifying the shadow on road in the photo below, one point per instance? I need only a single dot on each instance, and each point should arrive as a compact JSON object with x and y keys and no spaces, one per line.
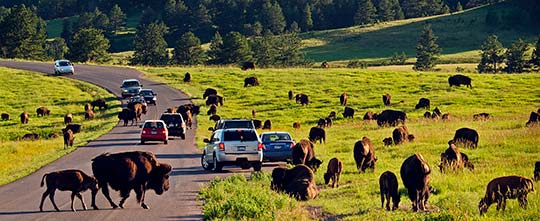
{"x":187,"y":171}
{"x":178,"y":156}
{"x":185,"y":217}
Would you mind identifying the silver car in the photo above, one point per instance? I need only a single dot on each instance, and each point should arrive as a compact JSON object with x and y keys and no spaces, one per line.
{"x":63,"y":67}
{"x":241,"y":147}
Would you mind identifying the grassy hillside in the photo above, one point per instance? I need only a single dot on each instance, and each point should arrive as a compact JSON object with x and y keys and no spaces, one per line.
{"x":26,"y":91}
{"x":506,"y":146}
{"x":459,"y":35}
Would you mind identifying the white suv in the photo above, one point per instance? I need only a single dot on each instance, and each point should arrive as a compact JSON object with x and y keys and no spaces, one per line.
{"x":63,"y":67}
{"x":241,"y":147}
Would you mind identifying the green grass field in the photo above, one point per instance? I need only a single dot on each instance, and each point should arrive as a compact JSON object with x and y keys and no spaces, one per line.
{"x":26,"y":91}
{"x":506,"y":146}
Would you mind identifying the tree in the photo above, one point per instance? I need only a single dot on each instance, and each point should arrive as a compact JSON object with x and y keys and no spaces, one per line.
{"x":56,"y":49}
{"x":306,"y":20}
{"x":235,"y":49}
{"x":272,"y":17}
{"x":22,"y":34}
{"x":427,"y":50}
{"x":215,"y":53}
{"x":385,"y":10}
{"x":264,"y":50}
{"x":492,"y":19}
{"x":188,"y":50}
{"x":492,"y":53}
{"x":366,"y":13}
{"x":150,"y":45}
{"x":67,"y":31}
{"x":117,"y":18}
{"x":535,"y":59}
{"x":515,"y":57}
{"x":459,"y":7}
{"x":89,"y":44}
{"x":288,"y":47}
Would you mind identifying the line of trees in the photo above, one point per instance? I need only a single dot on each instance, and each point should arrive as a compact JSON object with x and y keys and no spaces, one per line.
{"x":496,"y":58}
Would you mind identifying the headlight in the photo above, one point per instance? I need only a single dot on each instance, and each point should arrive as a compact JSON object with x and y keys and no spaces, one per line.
{"x":124,"y":90}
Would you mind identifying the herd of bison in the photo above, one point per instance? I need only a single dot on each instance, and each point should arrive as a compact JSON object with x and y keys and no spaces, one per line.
{"x":141,"y":171}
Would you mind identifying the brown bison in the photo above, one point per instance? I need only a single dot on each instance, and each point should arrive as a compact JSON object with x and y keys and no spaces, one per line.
{"x":335,"y":166}
{"x":215,"y":118}
{"x":316,"y":133}
{"x":267,"y":125}
{"x":446,"y":116}
{"x":5,"y":116}
{"x":303,"y":153}
{"x":68,"y":118}
{"x":537,"y":171}
{"x":30,"y":136}
{"x":75,"y":128}
{"x":343,"y":99}
{"x":386,"y":99}
{"x":481,"y":116}
{"x":24,"y":117}
{"x":187,"y":77}
{"x":208,"y":92}
{"x":370,"y":115}
{"x":128,"y":115}
{"x":388,"y":186}
{"x":291,"y":95}
{"x":42,"y":111}
{"x":302,"y":99}
{"x":297,"y":182}
{"x":427,"y":114}
{"x":506,"y":187}
{"x":391,"y":118}
{"x":100,"y":103}
{"x":325,"y":64}
{"x":348,"y":112}
{"x":137,"y":170}
{"x":466,"y":137}
{"x":453,"y":159}
{"x":422,"y":103}
{"x":253,"y":113}
{"x":87,"y":106}
{"x":436,"y":113}
{"x":364,"y":155}
{"x":257,"y":124}
{"x":534,"y":118}
{"x":296,"y":125}
{"x":214,"y":99}
{"x":248,"y":65}
{"x":401,"y":135}
{"x":75,"y":181}
{"x":89,"y":115}
{"x":332,"y":115}
{"x":415,"y":176}
{"x":212,"y":110}
{"x":458,"y":80}
{"x":68,"y":138}
{"x":251,"y":81}
{"x":387,"y":141}
{"x":54,"y":135}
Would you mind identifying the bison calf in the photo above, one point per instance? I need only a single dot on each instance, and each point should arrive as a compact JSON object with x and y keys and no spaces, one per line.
{"x":68,"y":118}
{"x":389,"y":189}
{"x":89,"y":115}
{"x":335,"y":166}
{"x":506,"y":187}
{"x":24,"y":117}
{"x":75,"y":181}
{"x":364,"y":155}
{"x":68,"y":137}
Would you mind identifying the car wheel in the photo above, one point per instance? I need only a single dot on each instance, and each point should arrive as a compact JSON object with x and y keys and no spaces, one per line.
{"x":165,"y":141}
{"x":257,"y":166}
{"x":205,"y":164}
{"x":142,"y":141}
{"x":183,"y":136}
{"x":217,"y":165}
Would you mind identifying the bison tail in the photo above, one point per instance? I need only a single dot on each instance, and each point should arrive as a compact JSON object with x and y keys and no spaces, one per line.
{"x":42,"y":179}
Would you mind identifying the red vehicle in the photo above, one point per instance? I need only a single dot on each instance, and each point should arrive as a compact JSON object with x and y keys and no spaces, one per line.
{"x":154,"y":130}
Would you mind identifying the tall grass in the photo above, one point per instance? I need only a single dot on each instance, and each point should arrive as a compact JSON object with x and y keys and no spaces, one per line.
{"x":506,"y":146}
{"x":26,"y":91}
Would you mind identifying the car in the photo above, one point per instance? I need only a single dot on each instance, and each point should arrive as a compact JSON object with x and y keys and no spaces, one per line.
{"x":137,"y":99}
{"x":240,"y":147}
{"x":130,"y":87}
{"x":63,"y":67}
{"x":175,"y":124}
{"x":154,"y":130}
{"x":278,"y":146}
{"x":149,"y":95}
{"x":233,"y":123}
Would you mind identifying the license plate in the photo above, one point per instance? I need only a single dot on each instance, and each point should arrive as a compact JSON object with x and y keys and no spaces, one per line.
{"x":278,"y":147}
{"x":241,"y":148}
{"x":153,"y":132}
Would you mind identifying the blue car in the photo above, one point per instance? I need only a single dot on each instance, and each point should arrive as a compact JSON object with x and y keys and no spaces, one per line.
{"x":277,"y":146}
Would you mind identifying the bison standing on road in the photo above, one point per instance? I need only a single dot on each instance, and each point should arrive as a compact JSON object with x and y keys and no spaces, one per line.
{"x":388,"y":186}
{"x":364,"y":155}
{"x":415,"y":175}
{"x":459,"y":79}
{"x":333,"y":172}
{"x":297,"y":182}
{"x":128,"y":115}
{"x":75,"y":181}
{"x":137,"y":170}
{"x":391,"y":118}
{"x":42,"y":111}
{"x":466,"y":137}
{"x":506,"y":187}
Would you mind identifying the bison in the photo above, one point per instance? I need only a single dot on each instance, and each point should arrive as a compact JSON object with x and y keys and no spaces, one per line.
{"x":401,"y":135}
{"x":415,"y":176}
{"x":343,"y":99}
{"x":5,"y":116}
{"x":534,"y":118}
{"x":68,"y":118}
{"x":89,"y":115}
{"x":332,"y":115}
{"x":348,"y":112}
{"x":436,"y":113}
{"x":30,"y":136}
{"x":215,"y":118}
{"x":100,"y":103}
{"x":453,"y":159}
{"x":212,"y":110}
{"x":68,"y":138}
{"x":297,"y":182}
{"x":302,"y":99}
{"x":127,"y":115}
{"x":75,"y":128}
{"x":467,"y":137}
{"x":335,"y":166}
{"x":214,"y":99}
{"x":388,"y":186}
{"x":303,"y":153}
{"x":316,"y":133}
{"x":75,"y":181}
{"x":291,"y":95}
{"x":208,"y":92}
{"x":364,"y":155}
{"x":257,"y":124}
{"x":267,"y":125}
{"x":187,"y":77}
{"x":422,"y":103}
{"x":370,"y":115}
{"x":325,"y":64}
{"x":42,"y":111}
{"x":391,"y":118}
{"x":248,"y":65}
{"x":87,"y":106}
{"x":321,"y":122}
{"x":251,"y":81}
{"x":126,"y":171}
{"x":506,"y":187}
{"x":296,"y":125}
{"x":446,"y":116}
{"x":24,"y":117}
{"x":481,"y":116}
{"x":386,"y":99}
{"x":537,"y":171}
{"x":427,"y":114}
{"x":253,"y":113}
{"x":459,"y":79}
{"x":387,"y":141}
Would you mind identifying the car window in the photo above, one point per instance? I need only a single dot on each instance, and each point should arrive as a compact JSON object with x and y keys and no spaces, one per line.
{"x":171,"y":118}
{"x":130,"y":84}
{"x":146,"y":93}
{"x":240,"y":135}
{"x":153,"y":125}
{"x":215,"y":137}
{"x":64,"y":63}
{"x":237,"y":124}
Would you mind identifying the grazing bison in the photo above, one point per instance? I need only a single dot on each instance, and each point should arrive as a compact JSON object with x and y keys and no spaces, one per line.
{"x":325,"y":65}
{"x":75,"y":128}
{"x":386,"y":99}
{"x":328,"y":122}
{"x":5,"y":116}
{"x":467,"y":137}
{"x":296,"y":125}
{"x":391,"y":118}
{"x":208,"y":92}
{"x":30,"y":136}
{"x":401,"y":135}
{"x":214,"y":99}
{"x":316,"y":133}
{"x":436,"y":113}
{"x":422,"y":103}
{"x":303,"y":153}
{"x":253,"y":81}
{"x":446,"y":116}
{"x":370,"y":115}
{"x":267,"y":125}
{"x":453,"y":159}
{"x":348,"y":112}
{"x":87,"y":106}
{"x":332,"y":115}
{"x":212,"y":110}
{"x":458,"y":80}
{"x":24,"y":117}
{"x":302,"y":99}
{"x":75,"y":181}
{"x":415,"y":176}
{"x":343,"y":99}
{"x":128,"y":115}
{"x":89,"y":115}
{"x":297,"y":182}
{"x":388,"y":186}
{"x":100,"y":103}
{"x":257,"y":124}
{"x":387,"y":141}
{"x":506,"y":187}
{"x":248,"y":65}
{"x":335,"y":166}
{"x":187,"y":77}
{"x":537,"y":171}
{"x":534,"y":118}
{"x":137,"y":170}
{"x":481,"y":116}
{"x":42,"y":111}
{"x":321,"y":122}
{"x":364,"y":155}
{"x":68,"y":138}
{"x":68,"y":118}
{"x":291,"y":95}
{"x":215,"y":118}
{"x":427,"y":114}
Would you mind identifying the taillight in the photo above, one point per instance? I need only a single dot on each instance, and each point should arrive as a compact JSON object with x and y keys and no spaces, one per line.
{"x":144,"y":131}
{"x":292,"y":145}
{"x":260,"y":146}
{"x":221,"y":146}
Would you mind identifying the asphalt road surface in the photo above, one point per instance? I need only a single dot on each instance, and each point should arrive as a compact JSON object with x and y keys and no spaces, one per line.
{"x":20,"y":200}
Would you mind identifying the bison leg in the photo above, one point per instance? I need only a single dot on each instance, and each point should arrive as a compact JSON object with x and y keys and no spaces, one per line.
{"x":82,"y":200}
{"x":124,"y":193}
{"x":45,"y":194}
{"x":413,"y":197}
{"x":140,"y":196}
{"x":105,"y":191}
{"x":72,"y":201}
{"x":51,"y":196}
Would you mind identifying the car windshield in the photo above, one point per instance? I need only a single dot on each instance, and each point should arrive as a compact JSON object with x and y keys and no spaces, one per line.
{"x":130,"y":84}
{"x":64,"y":63}
{"x":146,"y":93}
{"x":237,"y":124}
{"x":153,"y":125}
{"x":172,"y":118}
{"x":276,"y":137}
{"x":240,"y":135}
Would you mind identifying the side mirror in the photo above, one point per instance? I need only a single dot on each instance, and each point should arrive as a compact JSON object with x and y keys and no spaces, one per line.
{"x":206,"y":140}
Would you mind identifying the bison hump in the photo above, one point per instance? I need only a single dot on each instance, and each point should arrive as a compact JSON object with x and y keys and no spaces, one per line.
{"x":425,"y":165}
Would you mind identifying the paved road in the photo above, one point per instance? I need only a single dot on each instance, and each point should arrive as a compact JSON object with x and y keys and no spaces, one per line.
{"x":20,"y":200}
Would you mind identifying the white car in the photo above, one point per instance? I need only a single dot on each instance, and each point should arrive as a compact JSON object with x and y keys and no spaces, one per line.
{"x":63,"y":67}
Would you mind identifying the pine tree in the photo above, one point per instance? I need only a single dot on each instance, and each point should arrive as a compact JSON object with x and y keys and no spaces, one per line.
{"x":288,"y":47}
{"x":535,"y":59}
{"x":264,"y":50}
{"x":427,"y":50}
{"x":235,"y":49}
{"x":307,"y":21}
{"x":492,"y":53}
{"x":67,"y":31}
{"x":22,"y":34}
{"x":117,"y":18}
{"x":459,"y":7}
{"x":150,"y":45}
{"x":366,"y":13}
{"x":515,"y":57}
{"x":56,"y":49}
{"x":272,"y":17}
{"x":188,"y":50}
{"x":215,"y":53}
{"x":89,"y":44}
{"x":385,"y":10}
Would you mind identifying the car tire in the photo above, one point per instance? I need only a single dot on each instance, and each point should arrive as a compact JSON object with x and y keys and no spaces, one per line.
{"x":183,"y":136}
{"x":165,"y":141}
{"x":205,"y":164}
{"x":142,"y":141}
{"x":217,"y":165}
{"x":257,"y":166}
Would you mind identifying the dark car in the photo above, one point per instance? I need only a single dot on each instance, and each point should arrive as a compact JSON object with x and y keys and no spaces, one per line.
{"x":278,"y":146}
{"x":149,"y":95}
{"x":175,"y":124}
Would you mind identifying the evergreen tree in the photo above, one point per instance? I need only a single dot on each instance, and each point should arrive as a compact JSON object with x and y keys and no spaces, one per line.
{"x":89,"y":44}
{"x":459,"y":7}
{"x":385,"y":10}
{"x":67,"y":31}
{"x":272,"y":17}
{"x":235,"y":49}
{"x":427,"y":50}
{"x":215,"y":53}
{"x":306,"y":20}
{"x":288,"y":47}
{"x":264,"y":50}
{"x":117,"y":18}
{"x":22,"y":34}
{"x":366,"y":13}
{"x":515,"y":57}
{"x":535,"y":59}
{"x":492,"y":19}
{"x":294,"y":27}
{"x":150,"y":45}
{"x":188,"y":50}
{"x":56,"y":49}
{"x":492,"y":53}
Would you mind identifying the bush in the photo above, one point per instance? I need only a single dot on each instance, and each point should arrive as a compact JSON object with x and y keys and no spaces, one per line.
{"x":357,"y":64}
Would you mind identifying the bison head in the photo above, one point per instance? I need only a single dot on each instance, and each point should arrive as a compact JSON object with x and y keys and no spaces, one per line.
{"x":159,"y":178}
{"x":314,"y":164}
{"x":483,"y":205}
{"x":327,"y":177}
{"x":278,"y":177}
